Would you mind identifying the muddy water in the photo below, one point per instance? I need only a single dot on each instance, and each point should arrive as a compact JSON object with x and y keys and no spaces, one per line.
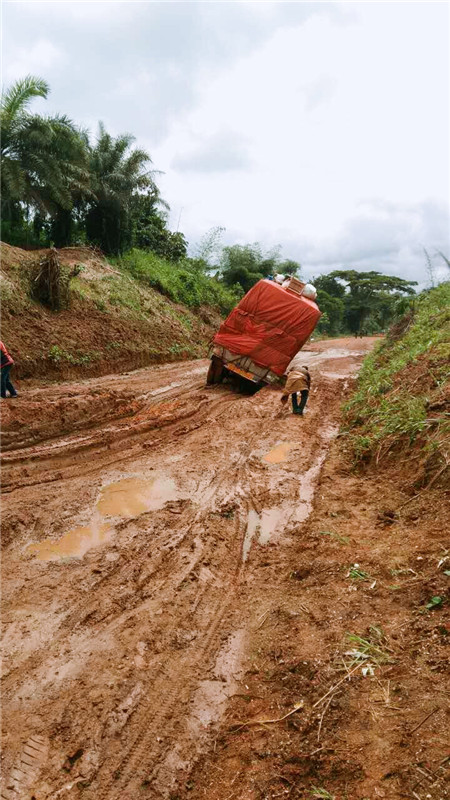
{"x":208,"y":705}
{"x":252,"y":525}
{"x":126,"y":499}
{"x":212,"y":694}
{"x":271,"y":522}
{"x":73,"y":544}
{"x":311,"y":356}
{"x":133,"y":496}
{"x":279,"y":453}
{"x":308,"y":480}
{"x":272,"y":519}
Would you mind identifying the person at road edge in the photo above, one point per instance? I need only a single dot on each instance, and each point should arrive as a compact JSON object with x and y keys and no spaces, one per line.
{"x":6,"y":364}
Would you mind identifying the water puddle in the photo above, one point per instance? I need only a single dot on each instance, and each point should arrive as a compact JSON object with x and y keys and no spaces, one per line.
{"x":308,"y":481}
{"x":271,"y":520}
{"x":252,"y":524}
{"x":163,"y":389}
{"x":279,"y":453}
{"x":73,"y":544}
{"x":126,"y":499}
{"x":350,"y":370}
{"x":133,"y":496}
{"x":265,"y":525}
{"x":342,"y":357}
{"x":212,"y":695}
{"x":324,"y":355}
{"x":174,"y":384}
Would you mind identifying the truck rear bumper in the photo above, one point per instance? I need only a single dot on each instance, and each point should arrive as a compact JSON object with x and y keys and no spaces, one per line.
{"x":245,"y":367}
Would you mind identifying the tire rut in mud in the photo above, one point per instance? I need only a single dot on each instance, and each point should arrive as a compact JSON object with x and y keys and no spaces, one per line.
{"x":182,"y":584}
{"x":60,"y":459}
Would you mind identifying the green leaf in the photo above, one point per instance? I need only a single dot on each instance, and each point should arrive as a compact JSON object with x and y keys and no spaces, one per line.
{"x":435,"y":602}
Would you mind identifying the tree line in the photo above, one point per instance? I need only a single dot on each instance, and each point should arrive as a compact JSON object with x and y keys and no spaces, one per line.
{"x":61,"y":187}
{"x":351,"y":302}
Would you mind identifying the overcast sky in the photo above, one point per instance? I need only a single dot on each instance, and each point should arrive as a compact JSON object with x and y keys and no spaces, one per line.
{"x":321,"y":127}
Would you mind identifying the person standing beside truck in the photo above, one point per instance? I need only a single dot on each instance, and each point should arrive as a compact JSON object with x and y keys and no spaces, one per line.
{"x":6,"y":364}
{"x":298,"y":381}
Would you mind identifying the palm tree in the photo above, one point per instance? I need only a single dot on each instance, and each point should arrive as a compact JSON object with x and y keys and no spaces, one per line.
{"x":117,"y":173}
{"x":44,"y":159}
{"x":15,"y":124}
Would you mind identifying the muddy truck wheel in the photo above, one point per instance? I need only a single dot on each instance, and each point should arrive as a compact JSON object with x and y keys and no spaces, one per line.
{"x":215,"y":371}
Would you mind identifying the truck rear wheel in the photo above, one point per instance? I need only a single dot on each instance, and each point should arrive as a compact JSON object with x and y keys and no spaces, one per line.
{"x":215,"y":371}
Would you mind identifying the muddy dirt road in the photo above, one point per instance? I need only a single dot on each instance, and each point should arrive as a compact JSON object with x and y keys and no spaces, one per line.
{"x":138,"y":512}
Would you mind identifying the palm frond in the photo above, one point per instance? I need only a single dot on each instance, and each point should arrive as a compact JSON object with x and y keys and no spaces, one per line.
{"x":16,"y":99}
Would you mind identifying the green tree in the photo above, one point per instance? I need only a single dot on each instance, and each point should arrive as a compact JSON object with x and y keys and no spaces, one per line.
{"x":207,"y":251}
{"x":332,"y":309}
{"x":330,"y":285}
{"x":149,"y":229}
{"x":245,"y":265}
{"x":44,"y":159}
{"x":289,"y":267}
{"x":117,"y":174}
{"x":370,"y":296}
{"x":241,"y":264}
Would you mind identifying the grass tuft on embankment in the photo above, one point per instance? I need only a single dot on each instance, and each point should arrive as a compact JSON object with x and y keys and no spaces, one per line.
{"x":402,"y":396}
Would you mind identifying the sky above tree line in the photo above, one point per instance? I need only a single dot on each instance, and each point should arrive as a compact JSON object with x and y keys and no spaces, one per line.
{"x":321,"y":127}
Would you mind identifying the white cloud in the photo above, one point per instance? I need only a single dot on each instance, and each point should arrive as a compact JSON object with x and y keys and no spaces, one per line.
{"x":385,"y":237}
{"x":224,"y":151}
{"x":320,"y":91}
{"x":41,"y":56}
{"x":275,"y":120}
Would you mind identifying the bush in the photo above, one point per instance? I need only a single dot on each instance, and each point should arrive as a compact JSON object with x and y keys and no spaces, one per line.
{"x":50,"y":281}
{"x":182,"y":282}
{"x":402,"y":379}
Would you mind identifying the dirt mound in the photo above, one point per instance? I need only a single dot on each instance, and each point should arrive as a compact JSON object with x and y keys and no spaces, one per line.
{"x":113,"y":323}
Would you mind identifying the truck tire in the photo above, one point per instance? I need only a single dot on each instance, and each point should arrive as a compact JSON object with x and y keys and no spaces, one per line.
{"x":215,"y":371}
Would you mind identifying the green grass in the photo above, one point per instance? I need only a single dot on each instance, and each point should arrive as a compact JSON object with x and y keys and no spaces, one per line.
{"x":320,"y":792}
{"x":336,"y":536}
{"x":400,"y":378}
{"x":357,"y":574}
{"x":61,"y":356}
{"x":181,"y":282}
{"x":367,"y":648}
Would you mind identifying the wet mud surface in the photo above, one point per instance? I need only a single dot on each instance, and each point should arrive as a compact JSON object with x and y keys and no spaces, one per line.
{"x":140,"y":513}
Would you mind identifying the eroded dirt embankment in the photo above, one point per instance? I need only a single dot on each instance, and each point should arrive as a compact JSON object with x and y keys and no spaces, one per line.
{"x":147,"y":523}
{"x":113,"y":323}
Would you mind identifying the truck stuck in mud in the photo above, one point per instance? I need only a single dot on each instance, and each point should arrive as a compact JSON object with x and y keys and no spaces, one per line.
{"x":263,"y":333}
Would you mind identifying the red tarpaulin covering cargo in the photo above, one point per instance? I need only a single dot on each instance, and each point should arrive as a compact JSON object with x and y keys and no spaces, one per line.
{"x":269,"y":325}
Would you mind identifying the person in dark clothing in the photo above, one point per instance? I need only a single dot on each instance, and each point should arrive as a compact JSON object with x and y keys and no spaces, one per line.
{"x":297,"y":408}
{"x":6,"y":364}
{"x":298,"y":381}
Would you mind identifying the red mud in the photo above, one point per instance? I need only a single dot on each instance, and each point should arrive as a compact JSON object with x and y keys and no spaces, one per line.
{"x":211,"y":591}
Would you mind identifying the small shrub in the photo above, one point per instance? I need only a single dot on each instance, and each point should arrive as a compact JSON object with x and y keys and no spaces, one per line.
{"x":49,"y":281}
{"x":60,"y":356}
